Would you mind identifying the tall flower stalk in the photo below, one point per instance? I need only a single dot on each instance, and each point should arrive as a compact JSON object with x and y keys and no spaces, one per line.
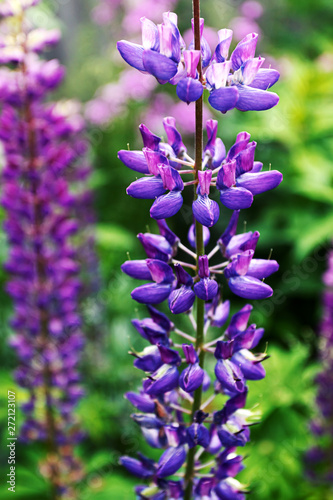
{"x":200,"y":441}
{"x":44,"y":149}
{"x":319,"y":458}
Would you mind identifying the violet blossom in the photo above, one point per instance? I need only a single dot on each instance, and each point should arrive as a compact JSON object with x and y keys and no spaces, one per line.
{"x":163,"y":393}
{"x":181,"y":411}
{"x":43,"y":187}
{"x":236,"y":82}
{"x":319,"y":458}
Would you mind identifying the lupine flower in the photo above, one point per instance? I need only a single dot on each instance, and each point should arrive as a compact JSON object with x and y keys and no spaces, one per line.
{"x":173,"y":383}
{"x":238,"y":82}
{"x":43,"y":188}
{"x":238,"y":179}
{"x":319,"y":458}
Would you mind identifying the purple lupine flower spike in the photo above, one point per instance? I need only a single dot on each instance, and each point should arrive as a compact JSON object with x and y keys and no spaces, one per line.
{"x":239,"y":82}
{"x":43,"y":191}
{"x":181,"y":275}
{"x":318,"y":459}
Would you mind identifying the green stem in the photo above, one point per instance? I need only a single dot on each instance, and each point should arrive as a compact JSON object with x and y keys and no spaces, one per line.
{"x":200,"y":250}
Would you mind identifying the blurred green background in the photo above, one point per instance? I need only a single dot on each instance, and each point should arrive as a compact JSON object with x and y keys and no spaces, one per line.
{"x":296,"y":221}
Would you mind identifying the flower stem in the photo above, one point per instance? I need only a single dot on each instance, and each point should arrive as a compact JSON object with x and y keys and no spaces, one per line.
{"x":200,"y":249}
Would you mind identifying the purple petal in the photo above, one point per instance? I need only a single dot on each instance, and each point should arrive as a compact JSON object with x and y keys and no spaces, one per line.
{"x":245,"y":159}
{"x":136,"y":468}
{"x":226,"y":491}
{"x":151,"y":331}
{"x":205,"y":178}
{"x":191,"y":355}
{"x":191,"y":235}
{"x":257,"y":167}
{"x":137,"y":269}
{"x":224,"y":99}
{"x":191,"y":60}
{"x":251,"y":99}
{"x":171,"y":460}
{"x":242,"y":242}
{"x":261,"y":268}
{"x":160,"y":319}
{"x":206,"y":211}
{"x":239,"y":264}
{"x":198,"y":435}
{"x":169,"y":356}
{"x":222,"y":49}
{"x":215,"y":148}
{"x":135,"y":160}
{"x":155,"y":246}
{"x":147,"y":188}
{"x":241,"y":143}
{"x":248,"y":339}
{"x":229,"y":375}
{"x":239,"y":321}
{"x":165,"y":379}
{"x":183,"y":277}
{"x":226,"y":176}
{"x":230,"y":230}
{"x":248,"y":287}
{"x":221,"y":314}
{"x":154,"y":159}
{"x":224,"y":349}
{"x":244,"y":51}
{"x":151,"y":293}
{"x":217,"y":75}
{"x":160,"y":271}
{"x":165,"y":231}
{"x":174,"y":137}
{"x":167,"y":205}
{"x":236,"y":198}
{"x":205,"y":52}
{"x":203,"y":267}
{"x":251,"y":369}
{"x":159,"y":65}
{"x":265,"y":79}
{"x":150,"y":35}
{"x":171,"y":178}
{"x":141,"y":401}
{"x":250,"y":69}
{"x":191,"y":378}
{"x":131,"y":53}
{"x":260,"y":182}
{"x":219,"y":154}
{"x":149,"y":360}
{"x":206,"y":289}
{"x":150,"y":140}
{"x":189,"y":90}
{"x":181,"y":300}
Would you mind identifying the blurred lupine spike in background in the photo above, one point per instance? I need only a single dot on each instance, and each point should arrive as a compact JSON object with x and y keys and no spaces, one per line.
{"x":48,"y":208}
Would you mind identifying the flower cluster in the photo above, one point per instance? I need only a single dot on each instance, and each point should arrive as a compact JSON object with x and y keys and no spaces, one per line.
{"x":236,"y":82}
{"x":43,"y":188}
{"x":235,"y":174}
{"x":319,"y":458}
{"x":172,"y":376}
{"x":201,"y":435}
{"x":165,"y":398}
